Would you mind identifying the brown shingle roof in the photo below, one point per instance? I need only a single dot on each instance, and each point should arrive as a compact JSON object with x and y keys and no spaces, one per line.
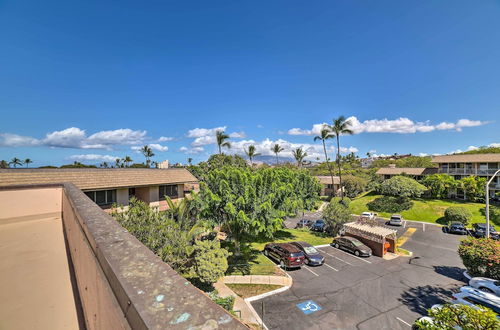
{"x":97,"y":178}
{"x":406,"y":170}
{"x":325,"y":179}
{"x":467,"y":158}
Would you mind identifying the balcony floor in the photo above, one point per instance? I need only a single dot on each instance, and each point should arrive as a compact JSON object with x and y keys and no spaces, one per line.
{"x":35,"y":281}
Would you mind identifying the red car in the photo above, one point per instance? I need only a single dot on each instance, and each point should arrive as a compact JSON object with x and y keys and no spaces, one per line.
{"x":288,"y":255}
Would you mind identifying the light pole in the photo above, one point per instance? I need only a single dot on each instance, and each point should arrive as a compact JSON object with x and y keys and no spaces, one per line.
{"x":488,"y":204}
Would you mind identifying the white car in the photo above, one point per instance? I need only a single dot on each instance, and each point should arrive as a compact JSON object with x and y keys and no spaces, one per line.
{"x":477,"y":298}
{"x":396,"y":220}
{"x":485,"y":284}
{"x":368,"y":215}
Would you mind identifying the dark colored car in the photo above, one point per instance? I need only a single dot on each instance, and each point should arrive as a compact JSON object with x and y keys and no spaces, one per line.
{"x":318,"y":225}
{"x":304,"y":223}
{"x":313,"y":257}
{"x":479,"y":231}
{"x":457,"y":228}
{"x":352,"y":245}
{"x":288,"y":255}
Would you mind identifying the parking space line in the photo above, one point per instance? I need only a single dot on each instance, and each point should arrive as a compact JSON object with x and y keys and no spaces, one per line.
{"x":331,"y":255}
{"x":408,"y":324}
{"x":404,"y":224}
{"x":424,"y":227}
{"x":310,"y":270}
{"x":352,"y":255}
{"x":327,"y":265}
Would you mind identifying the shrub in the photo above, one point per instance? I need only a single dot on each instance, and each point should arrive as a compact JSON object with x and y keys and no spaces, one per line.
{"x":390,"y":204}
{"x":460,"y":317}
{"x":335,"y":215}
{"x":227,"y":302}
{"x":457,"y":213}
{"x":401,"y":186}
{"x":210,"y":260}
{"x":353,"y":185}
{"x":481,"y":257}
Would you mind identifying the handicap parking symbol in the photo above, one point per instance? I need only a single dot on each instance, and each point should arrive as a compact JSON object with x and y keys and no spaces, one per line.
{"x":308,"y":307}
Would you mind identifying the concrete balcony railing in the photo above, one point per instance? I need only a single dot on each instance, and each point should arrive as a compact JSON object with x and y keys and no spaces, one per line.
{"x":66,"y":264}
{"x":467,"y":171}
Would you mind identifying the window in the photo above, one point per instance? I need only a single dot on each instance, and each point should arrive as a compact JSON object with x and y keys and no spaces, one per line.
{"x":102,"y":197}
{"x":168,"y":190}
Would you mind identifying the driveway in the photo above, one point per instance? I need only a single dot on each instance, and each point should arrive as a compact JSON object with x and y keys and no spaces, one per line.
{"x":369,"y":293}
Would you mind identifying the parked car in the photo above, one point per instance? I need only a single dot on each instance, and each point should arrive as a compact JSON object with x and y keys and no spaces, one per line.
{"x":288,"y":255}
{"x":479,"y":231}
{"x":486,"y":284}
{"x":313,"y":257}
{"x":352,"y":245}
{"x":456,"y":228}
{"x":476,"y":298}
{"x":396,"y":220}
{"x":318,"y":225}
{"x":368,"y":215}
{"x":304,"y":223}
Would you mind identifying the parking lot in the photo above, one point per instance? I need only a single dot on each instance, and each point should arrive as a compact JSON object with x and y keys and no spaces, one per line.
{"x":348,"y":292}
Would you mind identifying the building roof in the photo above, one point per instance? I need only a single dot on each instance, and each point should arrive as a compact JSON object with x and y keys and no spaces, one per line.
{"x":372,"y":230}
{"x":326,"y":179}
{"x":467,"y":158}
{"x":406,"y":170}
{"x":97,"y":178}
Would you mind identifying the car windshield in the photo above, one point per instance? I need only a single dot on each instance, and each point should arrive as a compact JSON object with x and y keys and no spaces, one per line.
{"x":310,"y":250}
{"x":395,"y":218}
{"x":356,"y":242}
{"x":366,"y":213}
{"x":319,"y":222}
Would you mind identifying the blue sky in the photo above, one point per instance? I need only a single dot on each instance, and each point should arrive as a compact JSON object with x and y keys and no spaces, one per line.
{"x":94,"y":80}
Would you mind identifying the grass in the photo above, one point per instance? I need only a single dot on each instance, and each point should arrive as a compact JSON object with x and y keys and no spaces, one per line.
{"x":427,"y":210}
{"x":250,"y":290}
{"x":253,"y":262}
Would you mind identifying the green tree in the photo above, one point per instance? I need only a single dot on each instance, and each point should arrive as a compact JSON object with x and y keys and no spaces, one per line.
{"x":118,"y":162}
{"x":27,"y":162}
{"x":336,"y":214}
{"x":458,"y":316}
{"x":457,"y":213}
{"x":474,"y":188}
{"x":251,"y":152}
{"x":277,"y":149}
{"x":299,"y":156}
{"x":324,"y":135}
{"x":354,"y":185}
{"x":340,"y":127}
{"x":190,"y":160}
{"x":104,"y":165}
{"x":439,"y":184}
{"x":210,"y":260}
{"x":4,"y":164}
{"x":222,"y":140}
{"x":15,"y":162}
{"x":127,"y":160}
{"x":481,"y":257}
{"x":401,"y":186}
{"x":148,"y":153}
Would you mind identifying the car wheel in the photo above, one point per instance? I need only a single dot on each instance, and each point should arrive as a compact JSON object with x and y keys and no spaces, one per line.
{"x":337,"y":246}
{"x":307,"y":262}
{"x":282,"y":264}
{"x":486,"y":290}
{"x":356,"y":253}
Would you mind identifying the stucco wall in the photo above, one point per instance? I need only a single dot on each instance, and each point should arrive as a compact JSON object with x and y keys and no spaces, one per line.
{"x":122,"y":196}
{"x":24,"y":203}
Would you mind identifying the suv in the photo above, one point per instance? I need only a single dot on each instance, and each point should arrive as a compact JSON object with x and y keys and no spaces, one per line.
{"x":456,"y":228}
{"x":288,"y":255}
{"x":318,"y":225}
{"x":477,"y":298}
{"x":368,"y":215}
{"x":479,"y":231}
{"x":304,"y":223}
{"x":352,"y":245}
{"x":396,"y":220}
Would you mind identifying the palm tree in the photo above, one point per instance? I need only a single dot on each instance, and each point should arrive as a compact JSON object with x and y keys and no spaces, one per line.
{"x":148,"y":153}
{"x":104,"y":165}
{"x":324,"y":135}
{"x":190,"y":160}
{"x":251,"y":153}
{"x":118,"y":162}
{"x":340,"y":126}
{"x":16,"y":161}
{"x":277,"y":149}
{"x":27,"y":161}
{"x":299,"y":156}
{"x":127,"y":160}
{"x":222,"y":138}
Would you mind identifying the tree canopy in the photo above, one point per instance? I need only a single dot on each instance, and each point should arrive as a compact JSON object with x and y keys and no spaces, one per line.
{"x":458,"y":316}
{"x":439,"y":184}
{"x":401,"y":186}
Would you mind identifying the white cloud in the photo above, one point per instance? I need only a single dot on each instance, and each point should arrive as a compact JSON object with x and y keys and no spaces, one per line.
{"x":494,"y":145}
{"x":14,"y":140}
{"x":94,"y":158}
{"x":238,"y":135}
{"x":72,"y":137}
{"x":200,"y":132}
{"x":400,"y":125}
{"x":191,"y":151}
{"x":119,"y":136}
{"x":260,"y":126}
{"x":206,"y":136}
{"x":165,"y":138}
{"x":423,"y":154}
{"x":158,"y":147}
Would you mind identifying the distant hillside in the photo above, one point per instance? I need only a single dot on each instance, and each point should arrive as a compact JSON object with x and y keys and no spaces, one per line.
{"x":483,"y":150}
{"x":271,"y":160}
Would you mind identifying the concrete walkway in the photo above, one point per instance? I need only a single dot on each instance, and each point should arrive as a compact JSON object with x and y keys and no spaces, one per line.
{"x":247,"y":313}
{"x":258,"y":279}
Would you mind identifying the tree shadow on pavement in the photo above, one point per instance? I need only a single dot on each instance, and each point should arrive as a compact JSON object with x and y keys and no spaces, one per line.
{"x":455,"y":273}
{"x":420,"y":298}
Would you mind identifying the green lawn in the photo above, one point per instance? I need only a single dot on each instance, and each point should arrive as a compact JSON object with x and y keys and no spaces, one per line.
{"x":253,"y":262}
{"x":428,"y":210}
{"x":250,"y":290}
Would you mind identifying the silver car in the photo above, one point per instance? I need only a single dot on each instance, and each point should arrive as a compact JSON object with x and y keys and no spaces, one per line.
{"x":485,"y":284}
{"x":396,"y":220}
